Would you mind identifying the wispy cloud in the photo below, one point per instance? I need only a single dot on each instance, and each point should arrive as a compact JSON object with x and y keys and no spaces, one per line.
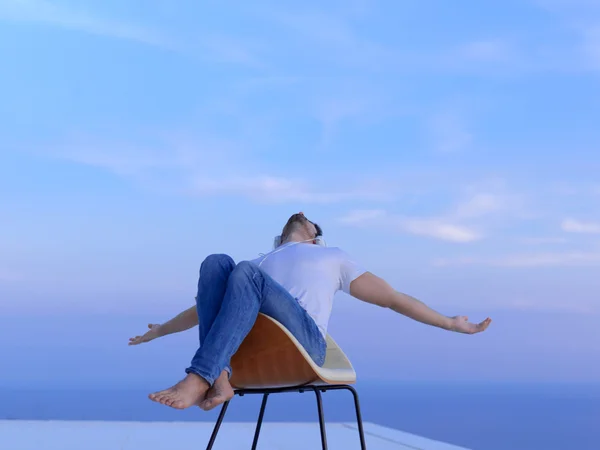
{"x":364,"y":217}
{"x":206,"y":165}
{"x":491,"y":56}
{"x":464,"y":223}
{"x":220,"y":48}
{"x":576,"y":226}
{"x":437,"y":228}
{"x":45,"y":12}
{"x":272,"y":189}
{"x":525,"y":260}
{"x":481,"y":204}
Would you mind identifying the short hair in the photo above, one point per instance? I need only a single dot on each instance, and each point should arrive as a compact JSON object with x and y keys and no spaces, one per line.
{"x":294,"y":222}
{"x":318,"y":228}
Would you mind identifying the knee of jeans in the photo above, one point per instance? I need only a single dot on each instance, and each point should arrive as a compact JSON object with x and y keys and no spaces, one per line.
{"x":217,"y":260}
{"x":244,"y":269}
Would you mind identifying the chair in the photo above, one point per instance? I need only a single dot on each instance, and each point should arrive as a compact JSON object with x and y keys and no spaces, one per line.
{"x":271,"y":361}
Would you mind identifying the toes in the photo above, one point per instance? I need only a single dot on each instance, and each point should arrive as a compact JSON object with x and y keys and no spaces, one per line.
{"x":169,"y":400}
{"x":159,"y":397}
{"x":177,"y":398}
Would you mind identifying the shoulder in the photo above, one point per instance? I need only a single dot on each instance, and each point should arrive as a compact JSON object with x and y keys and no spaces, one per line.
{"x":257,"y":260}
{"x":337,"y":252}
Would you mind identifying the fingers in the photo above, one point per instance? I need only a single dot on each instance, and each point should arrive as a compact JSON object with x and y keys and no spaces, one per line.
{"x":483,"y":325}
{"x":464,"y":326}
{"x":486,"y":322}
{"x":141,"y":339}
{"x":136,"y":340}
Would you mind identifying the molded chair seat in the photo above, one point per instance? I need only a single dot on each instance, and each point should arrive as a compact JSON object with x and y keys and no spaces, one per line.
{"x":270,"y":360}
{"x":271,"y":356}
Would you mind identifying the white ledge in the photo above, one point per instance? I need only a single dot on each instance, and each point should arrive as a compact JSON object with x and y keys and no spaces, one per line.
{"x":97,"y":435}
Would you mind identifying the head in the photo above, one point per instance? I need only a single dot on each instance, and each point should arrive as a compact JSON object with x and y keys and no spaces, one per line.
{"x":299,"y":228}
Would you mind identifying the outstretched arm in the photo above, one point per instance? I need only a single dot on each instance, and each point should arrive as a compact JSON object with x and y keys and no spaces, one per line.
{"x":372,"y":289}
{"x":181,"y":322}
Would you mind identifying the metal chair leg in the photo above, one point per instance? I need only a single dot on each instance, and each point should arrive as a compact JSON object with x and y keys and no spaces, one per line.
{"x":261,"y":415}
{"x":213,"y":437}
{"x":321,"y":418}
{"x":359,"y":421}
{"x":316,"y":389}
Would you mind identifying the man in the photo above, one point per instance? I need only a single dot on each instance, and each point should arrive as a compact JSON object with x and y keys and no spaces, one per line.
{"x":295,"y":284}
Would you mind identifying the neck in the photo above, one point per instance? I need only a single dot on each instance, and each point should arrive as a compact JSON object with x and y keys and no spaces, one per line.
{"x":296,"y":237}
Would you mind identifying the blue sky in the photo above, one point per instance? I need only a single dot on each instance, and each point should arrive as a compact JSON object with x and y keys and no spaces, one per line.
{"x":451,"y":149}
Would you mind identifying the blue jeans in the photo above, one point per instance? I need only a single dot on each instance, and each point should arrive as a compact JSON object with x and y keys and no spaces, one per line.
{"x":229,"y":299}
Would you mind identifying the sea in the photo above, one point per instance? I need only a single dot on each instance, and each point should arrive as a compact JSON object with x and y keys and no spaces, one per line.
{"x":482,"y":416}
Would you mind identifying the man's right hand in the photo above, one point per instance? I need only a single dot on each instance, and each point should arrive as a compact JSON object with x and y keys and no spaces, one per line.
{"x":152,"y":333}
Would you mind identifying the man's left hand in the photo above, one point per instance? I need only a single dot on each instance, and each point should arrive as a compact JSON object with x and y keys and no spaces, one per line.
{"x":461,"y":324}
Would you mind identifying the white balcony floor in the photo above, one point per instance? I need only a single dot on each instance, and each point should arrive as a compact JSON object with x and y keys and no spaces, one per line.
{"x":88,"y":435}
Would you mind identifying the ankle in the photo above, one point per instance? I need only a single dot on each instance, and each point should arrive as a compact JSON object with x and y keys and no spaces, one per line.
{"x":197,"y":379}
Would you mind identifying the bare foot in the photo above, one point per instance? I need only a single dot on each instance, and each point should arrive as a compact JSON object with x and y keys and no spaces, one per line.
{"x":219,"y":393}
{"x":189,"y":391}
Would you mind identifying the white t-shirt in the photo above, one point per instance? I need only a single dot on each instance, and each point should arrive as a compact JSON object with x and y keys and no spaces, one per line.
{"x":312,"y":274}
